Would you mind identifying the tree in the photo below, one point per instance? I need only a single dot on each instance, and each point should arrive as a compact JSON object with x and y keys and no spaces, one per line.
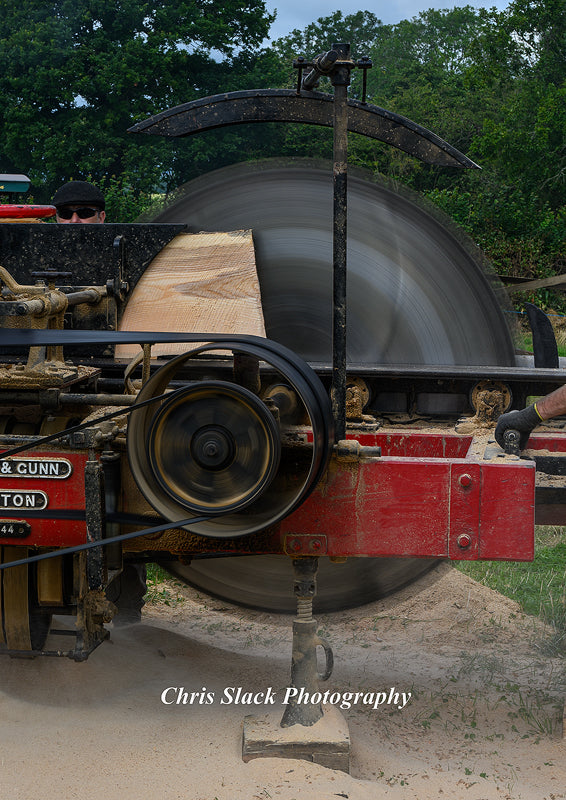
{"x":526,"y":141}
{"x":75,"y":74}
{"x":539,"y":26}
{"x":492,"y":84}
{"x":516,"y":208}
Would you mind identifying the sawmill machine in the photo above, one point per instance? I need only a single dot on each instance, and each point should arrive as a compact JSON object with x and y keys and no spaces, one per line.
{"x":244,"y":388}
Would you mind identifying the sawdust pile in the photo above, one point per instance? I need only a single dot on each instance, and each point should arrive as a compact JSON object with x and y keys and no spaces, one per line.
{"x":484,"y":719}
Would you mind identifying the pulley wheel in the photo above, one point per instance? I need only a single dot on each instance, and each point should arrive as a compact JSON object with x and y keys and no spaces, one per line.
{"x":213,"y":447}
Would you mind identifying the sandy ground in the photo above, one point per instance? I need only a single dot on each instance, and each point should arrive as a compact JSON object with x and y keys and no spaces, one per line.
{"x":484,"y":719}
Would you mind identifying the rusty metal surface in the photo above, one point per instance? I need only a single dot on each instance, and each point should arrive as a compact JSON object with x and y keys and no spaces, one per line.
{"x":284,"y":105}
{"x":85,"y":252}
{"x":340,"y":78}
{"x":50,"y":374}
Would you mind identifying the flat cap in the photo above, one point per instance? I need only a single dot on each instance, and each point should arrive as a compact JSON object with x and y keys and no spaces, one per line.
{"x":76,"y":192}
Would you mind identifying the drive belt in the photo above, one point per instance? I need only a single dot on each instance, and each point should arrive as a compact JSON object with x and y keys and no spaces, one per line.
{"x":305,"y":382}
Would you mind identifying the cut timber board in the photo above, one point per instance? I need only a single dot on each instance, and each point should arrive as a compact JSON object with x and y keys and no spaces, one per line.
{"x":199,"y":282}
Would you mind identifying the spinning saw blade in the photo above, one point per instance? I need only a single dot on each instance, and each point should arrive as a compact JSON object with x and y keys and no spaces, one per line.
{"x":418,"y":293}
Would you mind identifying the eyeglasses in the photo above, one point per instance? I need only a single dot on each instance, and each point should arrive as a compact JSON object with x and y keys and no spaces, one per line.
{"x":82,"y":213}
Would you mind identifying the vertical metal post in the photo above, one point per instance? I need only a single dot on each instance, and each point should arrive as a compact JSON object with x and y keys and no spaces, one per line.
{"x":337,"y":65}
{"x":95,"y":521}
{"x":340,"y":78}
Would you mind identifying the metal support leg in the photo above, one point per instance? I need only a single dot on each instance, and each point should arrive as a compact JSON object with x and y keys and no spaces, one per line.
{"x":327,"y":741}
{"x":93,"y":609}
{"x":304,"y":673}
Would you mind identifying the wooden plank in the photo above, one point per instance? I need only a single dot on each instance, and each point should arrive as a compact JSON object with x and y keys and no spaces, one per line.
{"x":556,"y":281}
{"x":199,"y":282}
{"x":16,"y":603}
{"x":50,"y":582}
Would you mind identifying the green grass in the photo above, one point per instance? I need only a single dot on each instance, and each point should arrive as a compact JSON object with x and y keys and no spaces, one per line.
{"x":538,"y":586}
{"x":161,"y":587}
{"x":526,"y":343}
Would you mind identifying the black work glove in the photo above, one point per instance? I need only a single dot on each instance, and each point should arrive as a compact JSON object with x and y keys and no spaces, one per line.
{"x":523,"y":421}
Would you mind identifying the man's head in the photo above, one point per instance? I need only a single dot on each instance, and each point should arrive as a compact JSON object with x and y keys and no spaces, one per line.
{"x":79,"y":201}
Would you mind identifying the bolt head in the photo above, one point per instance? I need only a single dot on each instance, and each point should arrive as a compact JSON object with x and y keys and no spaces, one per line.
{"x":464,"y":541}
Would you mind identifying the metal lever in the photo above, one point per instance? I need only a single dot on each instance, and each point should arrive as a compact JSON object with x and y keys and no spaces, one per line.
{"x":321,"y":65}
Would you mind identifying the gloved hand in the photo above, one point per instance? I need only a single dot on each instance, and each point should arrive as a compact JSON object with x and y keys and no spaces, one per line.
{"x":523,"y":421}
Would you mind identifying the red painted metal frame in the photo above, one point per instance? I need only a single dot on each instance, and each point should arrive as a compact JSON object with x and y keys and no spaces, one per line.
{"x":554,"y":443}
{"x":425,"y":496}
{"x":25,"y":212}
{"x":63,"y":494}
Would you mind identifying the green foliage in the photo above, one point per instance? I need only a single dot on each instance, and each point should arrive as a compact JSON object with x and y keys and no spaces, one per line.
{"x":538,"y":587}
{"x":124,"y":203}
{"x":162,"y":589}
{"x":75,"y":74}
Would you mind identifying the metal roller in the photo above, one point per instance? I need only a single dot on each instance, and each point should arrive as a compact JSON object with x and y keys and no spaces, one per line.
{"x":231,"y":438}
{"x":418,"y":293}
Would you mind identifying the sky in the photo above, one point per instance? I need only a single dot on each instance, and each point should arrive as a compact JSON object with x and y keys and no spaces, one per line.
{"x":293,"y":14}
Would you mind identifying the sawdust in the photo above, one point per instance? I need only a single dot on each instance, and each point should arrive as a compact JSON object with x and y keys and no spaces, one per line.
{"x":484,"y":719}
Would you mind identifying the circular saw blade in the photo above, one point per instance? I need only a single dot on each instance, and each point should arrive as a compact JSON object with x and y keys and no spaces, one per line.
{"x":266,"y":582}
{"x":418,"y":293}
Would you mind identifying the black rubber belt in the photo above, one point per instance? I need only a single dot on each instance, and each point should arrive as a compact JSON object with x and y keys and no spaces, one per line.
{"x":42,"y":338}
{"x":279,"y":356}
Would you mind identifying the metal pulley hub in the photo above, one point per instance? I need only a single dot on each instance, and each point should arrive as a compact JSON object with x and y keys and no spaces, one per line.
{"x":214,"y":447}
